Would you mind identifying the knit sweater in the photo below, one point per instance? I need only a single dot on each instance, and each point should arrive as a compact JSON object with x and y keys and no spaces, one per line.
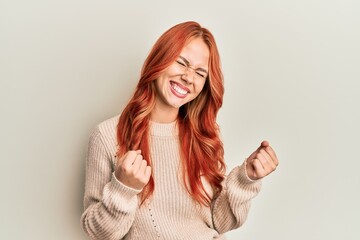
{"x":112,"y":211}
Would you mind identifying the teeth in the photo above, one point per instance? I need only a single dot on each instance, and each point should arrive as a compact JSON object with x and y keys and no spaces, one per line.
{"x":179,"y":90}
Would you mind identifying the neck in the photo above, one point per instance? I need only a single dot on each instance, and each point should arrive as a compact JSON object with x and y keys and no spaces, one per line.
{"x":164,"y":116}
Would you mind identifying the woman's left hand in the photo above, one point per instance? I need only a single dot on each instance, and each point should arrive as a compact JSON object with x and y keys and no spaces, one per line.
{"x":261,"y":162}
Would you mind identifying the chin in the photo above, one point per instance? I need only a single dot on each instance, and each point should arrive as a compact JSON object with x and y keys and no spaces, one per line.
{"x":175,"y":103}
{"x":177,"y":106}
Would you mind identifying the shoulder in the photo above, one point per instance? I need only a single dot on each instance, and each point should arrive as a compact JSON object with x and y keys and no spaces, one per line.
{"x":108,"y":126}
{"x":106,"y":132}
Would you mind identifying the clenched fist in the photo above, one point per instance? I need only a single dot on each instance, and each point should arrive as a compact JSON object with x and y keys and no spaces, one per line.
{"x":261,"y":162}
{"x":132,"y":170}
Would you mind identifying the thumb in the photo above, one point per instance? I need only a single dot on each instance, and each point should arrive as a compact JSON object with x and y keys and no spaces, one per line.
{"x":264,"y":144}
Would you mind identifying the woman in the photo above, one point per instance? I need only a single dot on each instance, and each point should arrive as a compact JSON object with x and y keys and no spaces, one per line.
{"x":157,"y":171}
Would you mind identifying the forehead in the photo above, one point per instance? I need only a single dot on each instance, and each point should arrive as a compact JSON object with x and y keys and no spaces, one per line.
{"x":196,"y":52}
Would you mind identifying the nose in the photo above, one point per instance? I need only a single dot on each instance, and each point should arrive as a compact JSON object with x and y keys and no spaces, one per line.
{"x":188,"y":76}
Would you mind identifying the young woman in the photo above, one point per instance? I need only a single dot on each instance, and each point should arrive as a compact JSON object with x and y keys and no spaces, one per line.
{"x":157,"y":171}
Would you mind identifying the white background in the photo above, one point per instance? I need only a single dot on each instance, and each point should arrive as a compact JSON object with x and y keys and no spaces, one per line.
{"x":292,"y":72}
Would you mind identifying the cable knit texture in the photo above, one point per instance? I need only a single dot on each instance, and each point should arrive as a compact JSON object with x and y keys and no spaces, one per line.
{"x":112,"y":211}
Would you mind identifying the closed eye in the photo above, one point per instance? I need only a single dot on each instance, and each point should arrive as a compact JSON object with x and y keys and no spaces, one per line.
{"x":185,"y":64}
{"x":200,"y":74}
{"x":181,"y":63}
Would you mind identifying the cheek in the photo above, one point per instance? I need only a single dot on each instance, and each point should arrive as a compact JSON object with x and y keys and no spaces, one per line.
{"x":163,"y":80}
{"x":199,"y":87}
{"x":160,"y":83}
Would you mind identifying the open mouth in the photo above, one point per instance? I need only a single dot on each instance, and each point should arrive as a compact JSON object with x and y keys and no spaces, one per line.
{"x":178,"y":90}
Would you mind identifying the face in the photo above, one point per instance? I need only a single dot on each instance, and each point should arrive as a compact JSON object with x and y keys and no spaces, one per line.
{"x":183,"y":80}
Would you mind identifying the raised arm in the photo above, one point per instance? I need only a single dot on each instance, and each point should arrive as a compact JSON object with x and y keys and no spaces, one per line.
{"x":109,"y":205}
{"x":231,"y":207}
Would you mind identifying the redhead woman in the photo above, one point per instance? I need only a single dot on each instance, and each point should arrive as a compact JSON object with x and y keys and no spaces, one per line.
{"x":157,"y":170}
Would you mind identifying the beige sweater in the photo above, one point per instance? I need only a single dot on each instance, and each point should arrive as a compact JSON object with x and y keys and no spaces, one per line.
{"x":112,"y":209}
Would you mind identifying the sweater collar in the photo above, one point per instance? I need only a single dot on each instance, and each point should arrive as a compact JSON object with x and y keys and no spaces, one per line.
{"x":164,"y":129}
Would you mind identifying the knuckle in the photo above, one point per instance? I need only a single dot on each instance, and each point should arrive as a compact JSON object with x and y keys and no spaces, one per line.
{"x":124,"y":168}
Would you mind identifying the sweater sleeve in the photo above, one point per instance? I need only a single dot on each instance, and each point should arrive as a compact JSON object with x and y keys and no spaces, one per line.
{"x":109,"y":206}
{"x":231,"y":207}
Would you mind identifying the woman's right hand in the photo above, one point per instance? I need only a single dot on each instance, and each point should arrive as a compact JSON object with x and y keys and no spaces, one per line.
{"x":132,"y":170}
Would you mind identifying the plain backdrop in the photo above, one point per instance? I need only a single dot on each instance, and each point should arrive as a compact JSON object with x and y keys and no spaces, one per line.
{"x":292,"y":76}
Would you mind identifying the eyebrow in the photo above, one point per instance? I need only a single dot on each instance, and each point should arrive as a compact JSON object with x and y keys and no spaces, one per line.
{"x":188,"y":63}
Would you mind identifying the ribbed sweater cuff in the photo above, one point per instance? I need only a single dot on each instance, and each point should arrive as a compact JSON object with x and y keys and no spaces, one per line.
{"x":243,"y":177}
{"x":120,"y":188}
{"x":120,"y":198}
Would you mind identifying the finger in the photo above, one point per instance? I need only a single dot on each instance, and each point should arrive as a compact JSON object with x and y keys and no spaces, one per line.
{"x":258,"y":169}
{"x":266,"y":160}
{"x":147,"y":173}
{"x":138,"y":158}
{"x":264,"y":143}
{"x":137,"y":164}
{"x":136,"y":167}
{"x":142,"y":167}
{"x":272,"y":153}
{"x":144,"y":172}
{"x":262,"y":160}
{"x":129,"y":158}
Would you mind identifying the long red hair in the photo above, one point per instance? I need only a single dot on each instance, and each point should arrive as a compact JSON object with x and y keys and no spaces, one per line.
{"x":201,"y":150}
